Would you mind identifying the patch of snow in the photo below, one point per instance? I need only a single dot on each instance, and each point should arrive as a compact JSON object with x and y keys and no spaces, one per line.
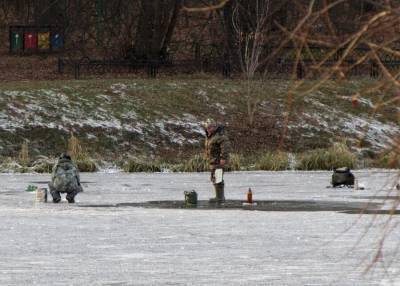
{"x":152,"y":145}
{"x":361,"y":100}
{"x":15,"y":109}
{"x":90,"y":136}
{"x":220,"y":107}
{"x":366,"y":102}
{"x":188,"y":123}
{"x":172,"y":84}
{"x":119,"y":88}
{"x":55,"y":95}
{"x":318,"y":118}
{"x":377,"y":133}
{"x":201,"y":92}
{"x":16,"y":93}
{"x":104,"y":97}
{"x":129,"y":115}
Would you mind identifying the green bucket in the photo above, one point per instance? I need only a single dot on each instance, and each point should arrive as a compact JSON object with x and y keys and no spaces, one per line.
{"x":190,"y":198}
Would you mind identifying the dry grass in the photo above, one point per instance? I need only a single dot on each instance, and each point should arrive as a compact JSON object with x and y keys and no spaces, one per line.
{"x":80,"y":156}
{"x":43,"y":165}
{"x":23,"y":156}
{"x":135,"y":166}
{"x":196,"y":164}
{"x":388,"y":160}
{"x":273,"y":161}
{"x":339,"y":155}
{"x":235,"y":162}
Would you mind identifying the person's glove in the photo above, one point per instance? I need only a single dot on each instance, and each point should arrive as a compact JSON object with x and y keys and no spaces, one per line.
{"x":212,"y":176}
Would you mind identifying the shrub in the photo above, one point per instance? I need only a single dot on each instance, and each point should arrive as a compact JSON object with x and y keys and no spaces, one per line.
{"x":43,"y":165}
{"x":75,"y":149}
{"x":336,"y":156}
{"x":23,"y":156}
{"x":78,"y":154}
{"x":86,"y":165}
{"x":196,"y":164}
{"x":389,"y":160}
{"x":9,"y":165}
{"x":273,"y":161}
{"x":235,"y":162}
{"x":133,"y":166}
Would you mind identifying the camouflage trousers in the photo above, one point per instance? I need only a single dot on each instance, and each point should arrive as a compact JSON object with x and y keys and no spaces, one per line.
{"x":56,"y":194}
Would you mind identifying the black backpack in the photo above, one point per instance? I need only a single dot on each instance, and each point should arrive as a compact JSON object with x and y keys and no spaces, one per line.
{"x":342,"y":176}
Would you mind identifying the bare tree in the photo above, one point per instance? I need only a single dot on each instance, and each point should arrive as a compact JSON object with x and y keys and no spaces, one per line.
{"x":250,"y":22}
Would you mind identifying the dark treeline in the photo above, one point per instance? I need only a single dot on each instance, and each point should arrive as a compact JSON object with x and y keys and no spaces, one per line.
{"x":153,"y":29}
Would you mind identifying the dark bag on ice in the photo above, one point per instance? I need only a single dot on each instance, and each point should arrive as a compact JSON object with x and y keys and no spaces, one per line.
{"x":190,"y":198}
{"x":342,"y":176}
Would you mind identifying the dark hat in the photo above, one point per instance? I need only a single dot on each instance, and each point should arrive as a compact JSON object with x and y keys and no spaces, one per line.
{"x":65,"y":156}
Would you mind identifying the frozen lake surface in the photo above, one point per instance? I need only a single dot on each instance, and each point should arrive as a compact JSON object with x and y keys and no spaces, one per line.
{"x":106,"y":239}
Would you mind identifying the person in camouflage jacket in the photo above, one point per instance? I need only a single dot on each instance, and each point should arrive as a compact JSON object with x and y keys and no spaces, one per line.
{"x":65,"y":179}
{"x":217,"y":147}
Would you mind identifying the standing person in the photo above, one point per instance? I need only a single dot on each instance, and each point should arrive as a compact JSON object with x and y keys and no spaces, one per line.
{"x":217,"y":153}
{"x":65,"y":179}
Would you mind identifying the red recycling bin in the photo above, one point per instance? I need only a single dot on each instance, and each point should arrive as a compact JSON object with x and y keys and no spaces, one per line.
{"x":30,"y":40}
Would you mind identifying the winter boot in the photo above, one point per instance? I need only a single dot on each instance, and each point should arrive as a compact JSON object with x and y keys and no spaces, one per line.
{"x":219,"y":194}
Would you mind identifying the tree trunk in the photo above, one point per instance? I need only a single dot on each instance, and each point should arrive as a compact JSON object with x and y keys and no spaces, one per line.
{"x":157,"y":21}
{"x":171,"y":26}
{"x":47,"y":12}
{"x":229,"y":39}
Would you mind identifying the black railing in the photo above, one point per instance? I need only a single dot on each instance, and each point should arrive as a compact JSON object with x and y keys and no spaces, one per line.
{"x":277,"y":69}
{"x":151,"y":67}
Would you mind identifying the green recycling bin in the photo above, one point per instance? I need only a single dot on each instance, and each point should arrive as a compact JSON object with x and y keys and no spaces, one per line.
{"x":17,"y":41}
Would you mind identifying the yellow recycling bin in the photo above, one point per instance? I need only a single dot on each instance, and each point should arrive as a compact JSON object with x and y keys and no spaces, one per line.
{"x":44,"y":40}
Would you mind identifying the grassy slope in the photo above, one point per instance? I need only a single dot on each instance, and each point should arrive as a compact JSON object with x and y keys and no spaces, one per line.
{"x":161,"y":118}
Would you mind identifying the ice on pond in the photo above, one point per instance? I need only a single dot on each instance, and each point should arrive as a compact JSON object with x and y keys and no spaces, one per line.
{"x":101,"y":241}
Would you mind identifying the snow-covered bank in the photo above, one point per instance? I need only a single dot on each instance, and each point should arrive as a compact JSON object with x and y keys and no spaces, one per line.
{"x":137,"y":117}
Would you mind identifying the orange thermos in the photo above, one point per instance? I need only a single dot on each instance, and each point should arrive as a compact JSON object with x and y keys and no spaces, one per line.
{"x":249,"y":196}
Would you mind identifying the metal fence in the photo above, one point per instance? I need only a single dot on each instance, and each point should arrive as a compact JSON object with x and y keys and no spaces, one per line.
{"x":279,"y":68}
{"x":87,"y":66}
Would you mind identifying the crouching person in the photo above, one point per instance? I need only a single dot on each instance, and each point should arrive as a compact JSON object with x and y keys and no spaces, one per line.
{"x":65,"y":179}
{"x":217,"y":153}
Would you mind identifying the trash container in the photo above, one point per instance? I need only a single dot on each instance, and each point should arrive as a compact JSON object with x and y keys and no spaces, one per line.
{"x":16,"y":43}
{"x":44,"y":40}
{"x":30,"y":41}
{"x":57,"y":41}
